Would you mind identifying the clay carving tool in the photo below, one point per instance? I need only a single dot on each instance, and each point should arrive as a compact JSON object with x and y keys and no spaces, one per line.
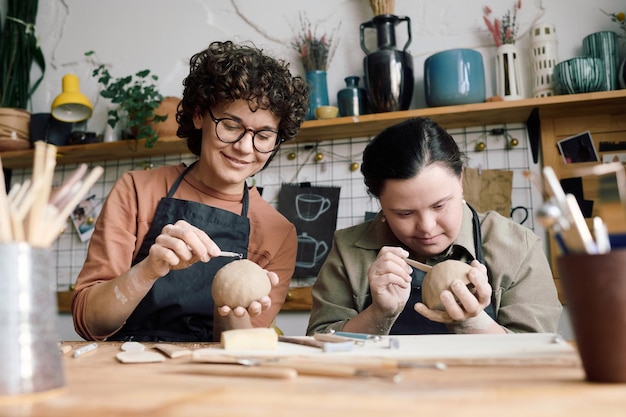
{"x":334,"y":370}
{"x":303,"y":367}
{"x":225,"y":369}
{"x":172,"y":351}
{"x":360,"y":336}
{"x":327,"y":346}
{"x":84,"y":349}
{"x":419,"y":265}
{"x":231,"y":254}
{"x":577,"y":238}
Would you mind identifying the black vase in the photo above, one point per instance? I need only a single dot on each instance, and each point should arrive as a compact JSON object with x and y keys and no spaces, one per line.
{"x":388,"y":71}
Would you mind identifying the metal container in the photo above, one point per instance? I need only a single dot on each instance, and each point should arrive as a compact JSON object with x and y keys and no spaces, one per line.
{"x":30,"y":357}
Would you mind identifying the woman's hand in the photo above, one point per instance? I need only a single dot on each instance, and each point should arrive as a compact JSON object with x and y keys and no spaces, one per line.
{"x":255,"y":308}
{"x":468,"y":312}
{"x":390,"y":281}
{"x":179,"y":246}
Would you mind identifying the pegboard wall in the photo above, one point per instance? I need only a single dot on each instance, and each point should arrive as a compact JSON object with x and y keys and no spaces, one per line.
{"x":328,"y":163}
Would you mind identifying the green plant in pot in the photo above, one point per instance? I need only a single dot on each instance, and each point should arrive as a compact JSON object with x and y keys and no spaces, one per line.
{"x":136,"y":97}
{"x":19,"y":50}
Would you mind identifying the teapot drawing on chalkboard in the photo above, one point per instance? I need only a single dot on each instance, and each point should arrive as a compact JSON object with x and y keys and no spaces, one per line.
{"x":310,"y":251}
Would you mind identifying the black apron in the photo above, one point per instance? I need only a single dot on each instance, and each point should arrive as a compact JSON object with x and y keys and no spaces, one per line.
{"x":410,"y":321}
{"x":179,"y":306}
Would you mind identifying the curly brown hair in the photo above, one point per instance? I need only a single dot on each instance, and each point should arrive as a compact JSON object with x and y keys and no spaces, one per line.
{"x":226,"y":72}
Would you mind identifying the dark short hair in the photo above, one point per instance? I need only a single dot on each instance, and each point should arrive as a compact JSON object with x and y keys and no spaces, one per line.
{"x":225,"y":72}
{"x":402,"y":150}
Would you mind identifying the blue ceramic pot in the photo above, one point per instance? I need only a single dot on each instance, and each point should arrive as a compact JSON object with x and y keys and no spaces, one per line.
{"x":455,"y":76}
{"x":319,"y":91}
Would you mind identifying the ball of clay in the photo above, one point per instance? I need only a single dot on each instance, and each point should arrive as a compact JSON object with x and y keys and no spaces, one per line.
{"x":439,"y":278}
{"x":239,"y":283}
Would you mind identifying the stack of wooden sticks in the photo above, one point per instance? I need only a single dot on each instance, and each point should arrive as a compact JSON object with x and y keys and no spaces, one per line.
{"x":34,"y":211}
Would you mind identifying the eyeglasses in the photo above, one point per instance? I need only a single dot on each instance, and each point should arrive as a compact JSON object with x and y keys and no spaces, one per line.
{"x":231,"y":131}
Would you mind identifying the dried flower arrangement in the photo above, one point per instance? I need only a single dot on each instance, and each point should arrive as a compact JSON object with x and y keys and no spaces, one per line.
{"x":315,"y":52}
{"x":383,"y":7}
{"x":503,"y":30}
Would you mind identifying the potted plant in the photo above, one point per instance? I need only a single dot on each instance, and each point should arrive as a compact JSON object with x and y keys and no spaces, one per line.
{"x":137,"y":97}
{"x":19,"y":50}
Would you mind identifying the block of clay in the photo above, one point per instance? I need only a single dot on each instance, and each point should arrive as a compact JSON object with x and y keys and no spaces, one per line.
{"x":260,"y":338}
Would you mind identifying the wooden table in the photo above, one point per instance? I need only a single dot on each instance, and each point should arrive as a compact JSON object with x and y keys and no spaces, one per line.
{"x":99,"y":385}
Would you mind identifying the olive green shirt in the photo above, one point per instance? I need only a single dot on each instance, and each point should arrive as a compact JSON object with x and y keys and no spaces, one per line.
{"x":524,"y":296}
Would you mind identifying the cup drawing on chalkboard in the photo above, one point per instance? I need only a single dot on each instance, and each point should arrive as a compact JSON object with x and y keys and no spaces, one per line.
{"x":310,"y":206}
{"x":310,"y":251}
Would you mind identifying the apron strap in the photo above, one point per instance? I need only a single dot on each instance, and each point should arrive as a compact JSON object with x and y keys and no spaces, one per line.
{"x":244,"y":203}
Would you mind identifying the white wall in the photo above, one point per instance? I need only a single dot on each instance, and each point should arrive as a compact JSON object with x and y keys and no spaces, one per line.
{"x":161,"y":35}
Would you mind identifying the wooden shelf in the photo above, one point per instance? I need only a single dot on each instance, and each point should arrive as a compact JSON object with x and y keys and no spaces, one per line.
{"x":450,"y":117}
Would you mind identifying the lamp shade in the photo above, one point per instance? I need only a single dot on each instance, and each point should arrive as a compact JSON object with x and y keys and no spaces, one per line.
{"x":71,"y":105}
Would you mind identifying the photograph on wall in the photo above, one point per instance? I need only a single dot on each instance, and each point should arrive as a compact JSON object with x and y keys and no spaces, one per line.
{"x":578,"y":148}
{"x":84,"y":217}
{"x":313,"y":210}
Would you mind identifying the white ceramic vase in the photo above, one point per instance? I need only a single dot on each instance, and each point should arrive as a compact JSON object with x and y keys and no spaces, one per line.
{"x":544,"y":56}
{"x":509,"y":81}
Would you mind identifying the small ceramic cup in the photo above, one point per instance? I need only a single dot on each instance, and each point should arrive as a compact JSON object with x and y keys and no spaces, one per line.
{"x":455,"y":76}
{"x":326,"y":112}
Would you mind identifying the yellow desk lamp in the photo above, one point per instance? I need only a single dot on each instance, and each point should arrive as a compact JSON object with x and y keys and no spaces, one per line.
{"x":71,"y":105}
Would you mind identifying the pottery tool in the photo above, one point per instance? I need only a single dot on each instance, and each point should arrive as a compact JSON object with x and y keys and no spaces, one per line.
{"x":573,"y":231}
{"x":173,"y":351}
{"x":246,"y":371}
{"x":84,"y":349}
{"x":419,"y":265}
{"x":360,"y":336}
{"x":303,"y":367}
{"x":57,"y":220}
{"x":611,"y":202}
{"x":231,"y":254}
{"x":32,"y":212}
{"x":601,"y":234}
{"x":334,"y":346}
{"x":61,"y":195}
{"x":577,"y":238}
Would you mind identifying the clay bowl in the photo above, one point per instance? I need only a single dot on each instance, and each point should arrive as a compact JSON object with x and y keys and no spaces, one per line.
{"x":326,"y":112}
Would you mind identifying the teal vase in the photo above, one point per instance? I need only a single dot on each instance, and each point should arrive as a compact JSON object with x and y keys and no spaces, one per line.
{"x":352,"y":100}
{"x":319,"y":91}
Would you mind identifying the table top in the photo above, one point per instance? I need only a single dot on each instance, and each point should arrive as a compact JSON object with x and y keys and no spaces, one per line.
{"x":548,"y":382}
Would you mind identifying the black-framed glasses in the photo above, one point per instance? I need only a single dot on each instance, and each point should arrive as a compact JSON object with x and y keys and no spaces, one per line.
{"x":231,"y":131}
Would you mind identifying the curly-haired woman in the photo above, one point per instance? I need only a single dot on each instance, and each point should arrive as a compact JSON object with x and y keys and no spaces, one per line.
{"x":157,"y":241}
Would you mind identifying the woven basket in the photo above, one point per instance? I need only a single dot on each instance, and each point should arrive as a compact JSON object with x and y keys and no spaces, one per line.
{"x":14,"y":129}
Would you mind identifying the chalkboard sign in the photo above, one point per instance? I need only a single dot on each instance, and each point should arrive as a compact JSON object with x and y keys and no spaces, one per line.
{"x":313,"y":210}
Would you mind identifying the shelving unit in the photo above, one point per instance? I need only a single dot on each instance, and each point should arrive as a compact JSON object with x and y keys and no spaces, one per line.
{"x":548,"y":120}
{"x":518,"y":111}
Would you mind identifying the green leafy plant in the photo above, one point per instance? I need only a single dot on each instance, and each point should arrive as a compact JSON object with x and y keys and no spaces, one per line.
{"x":19,"y":49}
{"x":136,"y":97}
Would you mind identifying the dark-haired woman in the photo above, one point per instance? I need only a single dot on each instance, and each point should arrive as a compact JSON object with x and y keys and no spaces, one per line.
{"x":415,"y":170}
{"x":157,"y":241}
